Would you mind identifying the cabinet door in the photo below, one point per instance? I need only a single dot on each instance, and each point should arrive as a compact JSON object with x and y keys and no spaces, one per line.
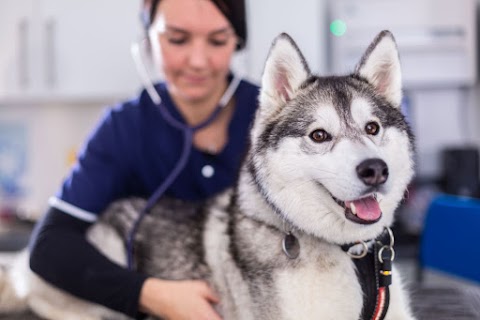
{"x":305,"y":24}
{"x":16,"y":27}
{"x":86,"y":48}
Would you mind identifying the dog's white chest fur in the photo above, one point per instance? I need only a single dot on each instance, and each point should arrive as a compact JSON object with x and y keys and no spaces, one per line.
{"x":319,"y":288}
{"x":321,"y":283}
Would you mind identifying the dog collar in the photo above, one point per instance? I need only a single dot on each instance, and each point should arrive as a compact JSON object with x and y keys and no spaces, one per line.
{"x":374,"y":272}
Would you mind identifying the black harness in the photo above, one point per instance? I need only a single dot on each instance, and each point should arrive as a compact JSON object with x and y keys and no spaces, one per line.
{"x":374,"y":272}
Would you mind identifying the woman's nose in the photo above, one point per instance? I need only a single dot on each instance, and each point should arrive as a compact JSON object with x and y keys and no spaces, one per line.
{"x":198,"y":56}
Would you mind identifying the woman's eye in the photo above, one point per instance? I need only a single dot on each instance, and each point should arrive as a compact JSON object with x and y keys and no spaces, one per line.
{"x":177,"y":41}
{"x":372,"y":128}
{"x":218,"y":42}
{"x":320,"y":135}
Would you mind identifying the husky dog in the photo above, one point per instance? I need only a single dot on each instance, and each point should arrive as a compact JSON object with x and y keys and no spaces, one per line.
{"x":304,"y":233}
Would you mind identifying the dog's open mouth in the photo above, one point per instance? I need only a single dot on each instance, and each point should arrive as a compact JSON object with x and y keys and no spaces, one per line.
{"x":363,"y":211}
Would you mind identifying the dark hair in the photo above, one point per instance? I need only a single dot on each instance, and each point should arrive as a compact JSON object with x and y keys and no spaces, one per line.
{"x":233,"y":10}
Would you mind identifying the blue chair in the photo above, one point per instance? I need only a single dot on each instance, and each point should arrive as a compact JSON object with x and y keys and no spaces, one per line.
{"x":450,"y":241}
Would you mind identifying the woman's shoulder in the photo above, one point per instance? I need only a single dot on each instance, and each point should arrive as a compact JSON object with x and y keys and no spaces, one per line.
{"x":137,"y":108}
{"x":249,"y":87}
{"x":134,"y":104}
{"x":128,"y":116}
{"x":247,"y":96}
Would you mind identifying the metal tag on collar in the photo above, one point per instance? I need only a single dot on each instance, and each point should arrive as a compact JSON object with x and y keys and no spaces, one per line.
{"x":291,"y":246}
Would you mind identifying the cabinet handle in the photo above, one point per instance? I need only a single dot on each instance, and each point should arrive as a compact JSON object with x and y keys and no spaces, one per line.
{"x":23,"y":63}
{"x":50,"y":53}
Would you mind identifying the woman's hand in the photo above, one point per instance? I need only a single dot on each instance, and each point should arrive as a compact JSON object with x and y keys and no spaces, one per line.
{"x":178,"y":300}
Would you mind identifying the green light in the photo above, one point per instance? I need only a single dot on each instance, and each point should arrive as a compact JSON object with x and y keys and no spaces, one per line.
{"x":338,"y":27}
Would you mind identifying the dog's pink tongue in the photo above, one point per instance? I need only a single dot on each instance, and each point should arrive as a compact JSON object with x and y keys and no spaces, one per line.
{"x":367,"y":208}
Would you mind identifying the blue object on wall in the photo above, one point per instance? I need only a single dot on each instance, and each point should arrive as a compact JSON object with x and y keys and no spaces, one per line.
{"x":451,"y":237}
{"x":13,"y":154}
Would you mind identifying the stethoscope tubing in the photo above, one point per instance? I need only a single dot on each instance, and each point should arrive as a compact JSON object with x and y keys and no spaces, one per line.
{"x":188,"y":132}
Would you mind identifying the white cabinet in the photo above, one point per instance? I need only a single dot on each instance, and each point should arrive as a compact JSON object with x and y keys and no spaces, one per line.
{"x":437,"y":42}
{"x":15,"y":38}
{"x":67,"y":50}
{"x":303,"y":20}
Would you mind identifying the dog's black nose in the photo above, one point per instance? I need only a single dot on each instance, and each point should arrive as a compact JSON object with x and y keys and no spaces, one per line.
{"x":373,"y":172}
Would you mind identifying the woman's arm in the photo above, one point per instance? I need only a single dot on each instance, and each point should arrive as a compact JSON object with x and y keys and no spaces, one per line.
{"x":61,"y":255}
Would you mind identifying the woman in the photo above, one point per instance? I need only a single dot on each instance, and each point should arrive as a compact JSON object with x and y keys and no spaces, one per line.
{"x":135,"y":147}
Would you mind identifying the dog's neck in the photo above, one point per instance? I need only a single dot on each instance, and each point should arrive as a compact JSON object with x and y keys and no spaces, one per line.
{"x":252,"y":203}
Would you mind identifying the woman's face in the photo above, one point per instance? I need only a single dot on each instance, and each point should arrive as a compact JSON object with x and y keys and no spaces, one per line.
{"x":193,"y":43}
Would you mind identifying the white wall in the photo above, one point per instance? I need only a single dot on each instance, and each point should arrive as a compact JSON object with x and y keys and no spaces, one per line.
{"x":442,"y":118}
{"x":304,"y":20}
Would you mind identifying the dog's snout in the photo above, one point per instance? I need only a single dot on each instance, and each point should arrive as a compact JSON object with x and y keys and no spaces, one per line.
{"x":373,"y":172}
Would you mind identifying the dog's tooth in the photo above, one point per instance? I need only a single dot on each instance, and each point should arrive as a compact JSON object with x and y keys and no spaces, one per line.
{"x":353,"y":209}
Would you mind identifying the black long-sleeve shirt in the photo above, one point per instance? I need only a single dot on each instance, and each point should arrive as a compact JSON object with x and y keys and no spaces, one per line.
{"x":61,"y":255}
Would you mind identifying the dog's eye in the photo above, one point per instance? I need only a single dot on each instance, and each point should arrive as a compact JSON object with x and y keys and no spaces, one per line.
{"x":372,"y":128}
{"x":320,"y":135}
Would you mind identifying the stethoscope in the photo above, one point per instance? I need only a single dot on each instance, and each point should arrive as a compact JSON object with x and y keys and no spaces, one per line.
{"x":187,"y":130}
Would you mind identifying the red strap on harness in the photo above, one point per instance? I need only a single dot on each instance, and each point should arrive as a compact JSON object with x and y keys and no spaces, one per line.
{"x":380,"y":307}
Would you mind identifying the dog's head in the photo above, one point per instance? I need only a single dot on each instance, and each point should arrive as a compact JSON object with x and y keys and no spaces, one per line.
{"x":332,"y":155}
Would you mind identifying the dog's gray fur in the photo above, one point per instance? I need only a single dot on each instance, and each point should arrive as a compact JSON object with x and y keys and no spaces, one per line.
{"x":287,"y":184}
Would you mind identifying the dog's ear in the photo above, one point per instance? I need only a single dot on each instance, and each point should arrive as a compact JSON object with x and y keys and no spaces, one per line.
{"x":380,"y":66}
{"x":285,"y":70}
